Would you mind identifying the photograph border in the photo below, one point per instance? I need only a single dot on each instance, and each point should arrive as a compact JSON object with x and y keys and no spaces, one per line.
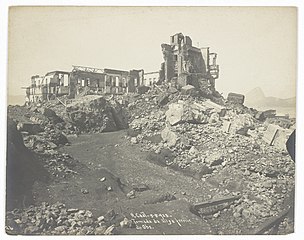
{"x":299,"y":213}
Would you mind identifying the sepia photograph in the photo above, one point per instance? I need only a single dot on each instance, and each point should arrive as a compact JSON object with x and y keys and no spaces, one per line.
{"x":151,"y":120}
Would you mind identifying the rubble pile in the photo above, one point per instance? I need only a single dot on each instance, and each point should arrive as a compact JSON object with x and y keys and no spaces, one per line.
{"x":214,"y":141}
{"x":96,"y":114}
{"x":187,"y":127}
{"x":283,"y":122}
{"x":196,"y":128}
{"x":37,"y":149}
{"x":46,"y":140}
{"x":237,"y":149}
{"x":59,"y":165}
{"x":57,"y":219}
{"x":153,"y":100}
{"x":241,"y":175}
{"x":86,"y":114}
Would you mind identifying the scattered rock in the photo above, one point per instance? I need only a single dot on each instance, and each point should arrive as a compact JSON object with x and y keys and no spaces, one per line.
{"x":126,"y":223}
{"x":161,"y":198}
{"x":55,"y":219}
{"x":100,"y":230}
{"x":131,"y":194}
{"x":102,"y":179}
{"x":134,"y":140}
{"x":72,"y":210}
{"x":84,"y":191}
{"x":101,"y":219}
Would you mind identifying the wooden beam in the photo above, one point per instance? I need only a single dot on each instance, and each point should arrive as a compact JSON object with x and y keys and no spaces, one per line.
{"x":273,"y":221}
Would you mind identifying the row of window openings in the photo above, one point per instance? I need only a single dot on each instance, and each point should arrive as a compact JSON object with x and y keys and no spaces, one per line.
{"x":86,"y":82}
{"x":115,"y":82}
{"x":63,"y":80}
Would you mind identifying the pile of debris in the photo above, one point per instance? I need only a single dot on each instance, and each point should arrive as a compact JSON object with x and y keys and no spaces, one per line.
{"x":186,"y":127}
{"x":96,"y":114}
{"x":221,"y":143}
{"x":87,"y":114}
{"x":192,"y":128}
{"x":57,"y":219}
{"x":33,"y":143}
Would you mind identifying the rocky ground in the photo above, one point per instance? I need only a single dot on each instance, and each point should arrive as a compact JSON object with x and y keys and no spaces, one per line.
{"x":137,"y":164}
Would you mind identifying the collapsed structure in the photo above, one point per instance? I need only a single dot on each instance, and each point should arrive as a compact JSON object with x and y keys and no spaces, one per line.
{"x":183,"y":65}
{"x":82,"y":81}
{"x":236,"y":156}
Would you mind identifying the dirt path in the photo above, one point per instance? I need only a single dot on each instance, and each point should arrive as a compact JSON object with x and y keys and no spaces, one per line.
{"x":109,"y":155}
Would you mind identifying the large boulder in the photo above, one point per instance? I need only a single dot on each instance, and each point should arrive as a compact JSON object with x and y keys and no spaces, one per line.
{"x":214,"y":159}
{"x":277,"y":136}
{"x":31,"y":128}
{"x":175,"y":113}
{"x":169,"y":137}
{"x":186,"y":112}
{"x":241,"y":124}
{"x":51,"y":115}
{"x":221,"y":110}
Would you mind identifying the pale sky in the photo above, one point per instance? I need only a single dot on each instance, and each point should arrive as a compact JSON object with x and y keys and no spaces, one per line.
{"x":256,"y":46}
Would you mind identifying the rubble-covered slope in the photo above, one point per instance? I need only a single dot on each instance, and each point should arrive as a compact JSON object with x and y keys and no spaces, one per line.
{"x":223,"y":145}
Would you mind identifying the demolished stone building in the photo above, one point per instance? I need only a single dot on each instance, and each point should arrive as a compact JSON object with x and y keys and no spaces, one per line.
{"x":44,"y":87}
{"x":83,"y":80}
{"x":185,"y":64}
{"x":151,"y":78}
{"x":104,"y":80}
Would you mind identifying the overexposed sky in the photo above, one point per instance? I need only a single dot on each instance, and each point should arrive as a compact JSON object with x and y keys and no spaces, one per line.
{"x":256,"y":46}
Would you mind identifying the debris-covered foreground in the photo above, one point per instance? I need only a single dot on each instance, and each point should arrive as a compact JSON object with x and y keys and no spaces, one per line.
{"x":230,"y":165}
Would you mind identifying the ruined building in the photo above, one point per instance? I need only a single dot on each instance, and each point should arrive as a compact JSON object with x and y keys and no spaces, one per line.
{"x":185,"y":64}
{"x":104,"y":80}
{"x":81,"y":81}
{"x":151,"y":78}
{"x":44,"y":87}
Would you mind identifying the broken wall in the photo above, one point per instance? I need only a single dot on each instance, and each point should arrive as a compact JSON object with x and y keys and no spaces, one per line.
{"x":169,"y":63}
{"x":188,"y":65}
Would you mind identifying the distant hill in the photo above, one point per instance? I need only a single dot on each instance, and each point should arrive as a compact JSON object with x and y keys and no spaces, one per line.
{"x":15,"y":100}
{"x":256,"y":98}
